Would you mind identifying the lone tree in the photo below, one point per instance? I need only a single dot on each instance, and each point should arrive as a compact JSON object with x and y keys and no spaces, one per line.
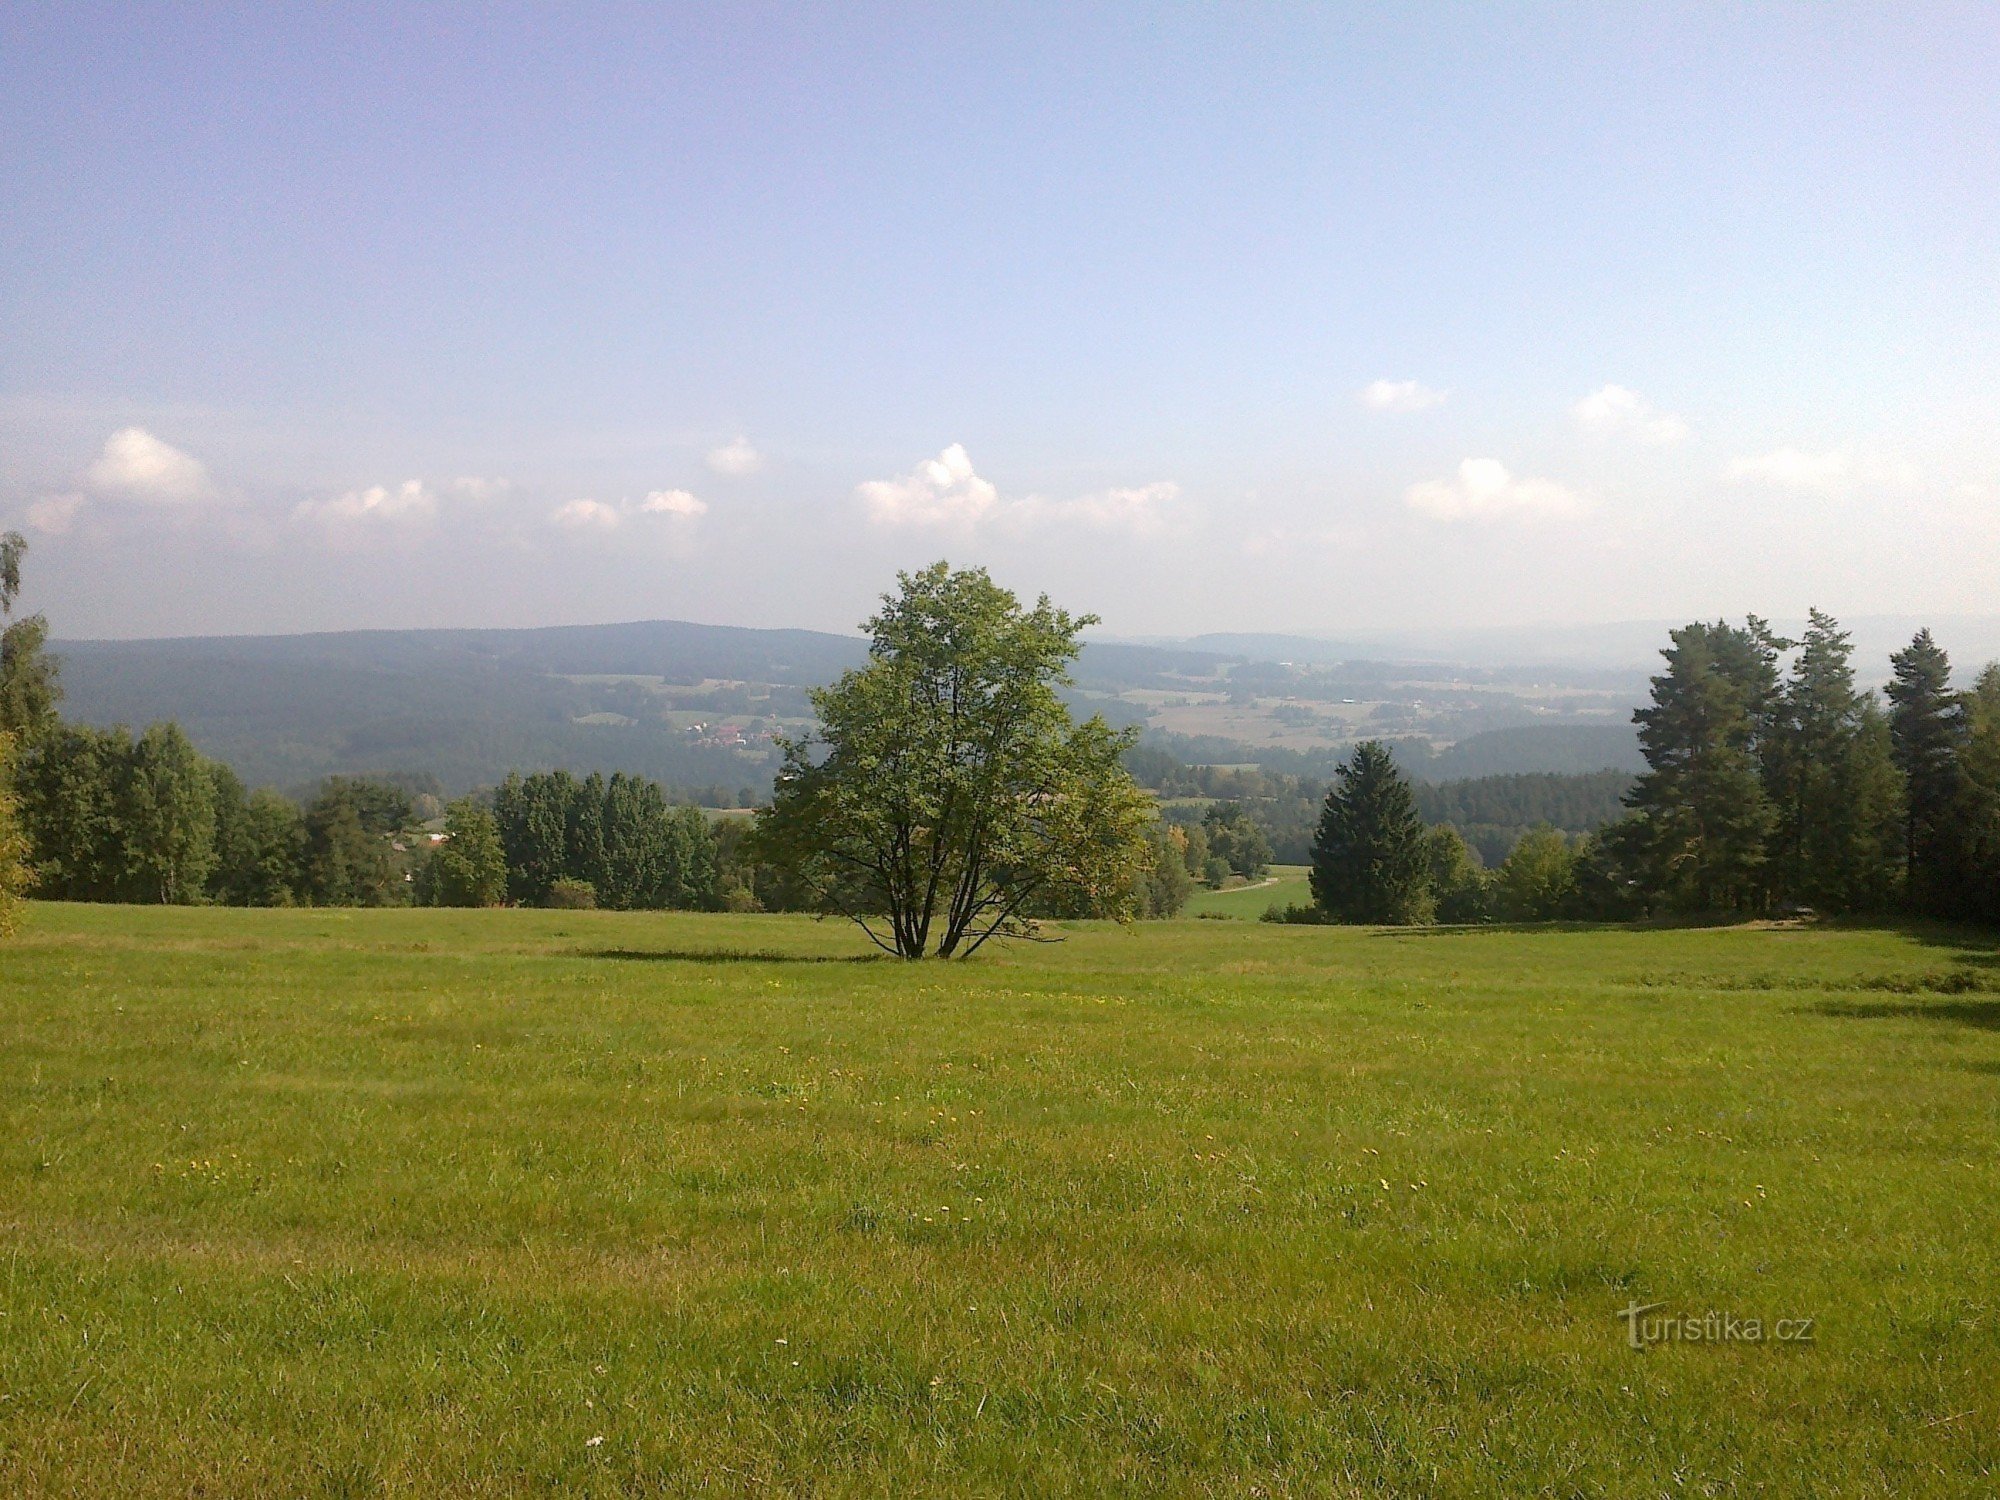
{"x":1370,"y":860}
{"x":947,"y":796}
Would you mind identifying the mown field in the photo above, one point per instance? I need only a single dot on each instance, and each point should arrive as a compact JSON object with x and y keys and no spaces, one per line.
{"x":509,"y":1203}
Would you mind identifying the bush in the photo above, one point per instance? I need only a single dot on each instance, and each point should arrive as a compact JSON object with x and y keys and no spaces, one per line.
{"x":567,"y":894}
{"x":1296,"y":916}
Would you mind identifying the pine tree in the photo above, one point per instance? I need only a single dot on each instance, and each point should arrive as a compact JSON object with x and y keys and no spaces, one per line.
{"x":1704,"y":815}
{"x":1369,"y":860}
{"x":1927,"y":732}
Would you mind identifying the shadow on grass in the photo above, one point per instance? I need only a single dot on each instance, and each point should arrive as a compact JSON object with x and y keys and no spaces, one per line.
{"x":727,"y":956}
{"x":1982,"y":1014}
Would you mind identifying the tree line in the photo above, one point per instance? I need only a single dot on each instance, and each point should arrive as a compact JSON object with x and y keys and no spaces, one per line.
{"x":90,"y":814}
{"x":1774,"y":783}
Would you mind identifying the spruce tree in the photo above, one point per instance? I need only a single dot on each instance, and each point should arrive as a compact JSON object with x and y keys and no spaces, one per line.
{"x":1838,"y":795}
{"x":1369,"y":858}
{"x":1927,"y":732}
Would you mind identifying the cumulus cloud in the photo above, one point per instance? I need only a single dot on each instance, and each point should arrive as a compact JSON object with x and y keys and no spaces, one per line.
{"x":677,"y":508}
{"x":135,"y":465}
{"x":1483,"y":490}
{"x":678,"y":503}
{"x":947,"y":491}
{"x":941,"y":491}
{"x":1616,"y":411}
{"x":586,"y":515}
{"x":735,"y":459}
{"x":1400,"y":395}
{"x":414,"y":502}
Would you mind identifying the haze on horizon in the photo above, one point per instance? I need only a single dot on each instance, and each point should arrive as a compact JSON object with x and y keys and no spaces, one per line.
{"x":1294,"y":319}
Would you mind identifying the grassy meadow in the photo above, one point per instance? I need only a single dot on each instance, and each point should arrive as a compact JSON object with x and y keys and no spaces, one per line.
{"x":1287,"y":885}
{"x":503,"y":1203}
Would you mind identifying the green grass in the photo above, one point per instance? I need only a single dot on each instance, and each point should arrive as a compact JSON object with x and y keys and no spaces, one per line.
{"x":1287,"y":887}
{"x":404,"y":1203}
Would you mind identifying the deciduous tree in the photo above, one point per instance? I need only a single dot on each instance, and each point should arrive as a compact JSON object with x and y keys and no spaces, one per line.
{"x":947,"y":793}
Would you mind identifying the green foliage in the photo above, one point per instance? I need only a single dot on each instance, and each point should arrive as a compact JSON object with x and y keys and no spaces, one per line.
{"x":169,"y":818}
{"x":1979,"y":802}
{"x":566,"y":894}
{"x":29,"y":686}
{"x":1837,"y":841}
{"x":946,"y":794}
{"x":469,"y":868}
{"x":349,"y":830}
{"x":1926,"y":733}
{"x":1370,"y":860}
{"x":14,"y":870}
{"x":1538,"y":881}
{"x":1235,"y":838}
{"x":1164,"y":883}
{"x":71,"y":780}
{"x":261,"y":850}
{"x":621,"y":837}
{"x":1704,"y":812}
{"x":1494,"y":811}
{"x":1459,"y":886}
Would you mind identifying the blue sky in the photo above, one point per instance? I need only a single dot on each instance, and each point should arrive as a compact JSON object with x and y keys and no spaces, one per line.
{"x":1220,"y":317}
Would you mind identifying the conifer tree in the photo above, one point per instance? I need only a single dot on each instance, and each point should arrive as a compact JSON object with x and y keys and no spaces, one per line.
{"x":1979,"y":799}
{"x":1927,"y":732}
{"x":1703,"y":812}
{"x":1836,"y":846}
{"x":1370,"y":862}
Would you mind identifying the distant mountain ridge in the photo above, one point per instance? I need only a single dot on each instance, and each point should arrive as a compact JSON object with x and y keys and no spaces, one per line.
{"x":467,"y":706}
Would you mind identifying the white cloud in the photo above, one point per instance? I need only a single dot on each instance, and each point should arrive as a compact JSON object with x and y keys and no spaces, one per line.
{"x":1483,"y":490}
{"x":947,"y":492}
{"x":677,"y":508}
{"x":1616,"y":411}
{"x":1793,"y":469}
{"x":55,"y":514}
{"x":587,"y":515}
{"x":676,"y":503}
{"x":412,"y":500}
{"x":410,"y":503}
{"x":135,"y":465}
{"x":735,"y":458}
{"x":1400,"y":395}
{"x":941,"y":491}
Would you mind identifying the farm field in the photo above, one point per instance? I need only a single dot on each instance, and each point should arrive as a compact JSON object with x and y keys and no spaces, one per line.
{"x":1286,"y":886}
{"x":499,"y":1203}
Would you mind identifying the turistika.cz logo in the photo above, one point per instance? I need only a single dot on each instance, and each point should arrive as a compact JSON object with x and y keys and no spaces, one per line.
{"x":1646,"y":1325}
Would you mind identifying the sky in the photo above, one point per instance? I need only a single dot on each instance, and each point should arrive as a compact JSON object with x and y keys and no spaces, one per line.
{"x":1314,"y":318}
